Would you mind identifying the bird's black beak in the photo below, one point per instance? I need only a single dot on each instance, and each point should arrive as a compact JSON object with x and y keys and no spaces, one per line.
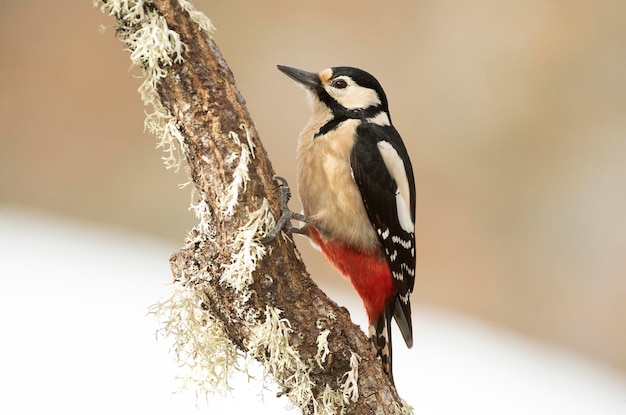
{"x":305,"y":78}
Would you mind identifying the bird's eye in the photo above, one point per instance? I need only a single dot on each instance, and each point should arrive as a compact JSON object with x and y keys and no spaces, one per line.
{"x":339,"y":83}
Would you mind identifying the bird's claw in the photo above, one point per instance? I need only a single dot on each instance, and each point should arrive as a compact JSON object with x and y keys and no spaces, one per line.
{"x":284,"y":222}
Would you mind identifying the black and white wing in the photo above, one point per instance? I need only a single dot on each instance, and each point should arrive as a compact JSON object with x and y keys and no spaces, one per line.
{"x":384,"y":175}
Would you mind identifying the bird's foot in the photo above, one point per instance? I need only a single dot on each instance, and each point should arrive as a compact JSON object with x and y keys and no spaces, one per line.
{"x":284,"y":222}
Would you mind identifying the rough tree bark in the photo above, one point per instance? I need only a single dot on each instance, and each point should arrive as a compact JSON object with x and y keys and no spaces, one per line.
{"x":199,"y":93}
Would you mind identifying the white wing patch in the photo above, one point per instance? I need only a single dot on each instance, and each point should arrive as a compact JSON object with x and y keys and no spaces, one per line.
{"x":395,"y":166}
{"x":381,"y":119}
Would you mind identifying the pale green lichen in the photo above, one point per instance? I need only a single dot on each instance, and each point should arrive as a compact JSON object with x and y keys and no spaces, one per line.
{"x":332,"y":402}
{"x":203,"y":22}
{"x":270,"y":344}
{"x":247,"y":250}
{"x":350,"y":385}
{"x":230,"y":198}
{"x":337,"y":401}
{"x":271,"y":338}
{"x":153,"y":47}
{"x":404,"y":408}
{"x":202,"y":210}
{"x":322,"y":347}
{"x":198,"y":339}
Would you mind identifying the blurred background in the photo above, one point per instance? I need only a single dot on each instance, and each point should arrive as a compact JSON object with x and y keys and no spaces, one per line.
{"x":514,"y":114}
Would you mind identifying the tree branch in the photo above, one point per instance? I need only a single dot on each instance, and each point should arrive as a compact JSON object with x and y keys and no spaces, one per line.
{"x":233,"y":295}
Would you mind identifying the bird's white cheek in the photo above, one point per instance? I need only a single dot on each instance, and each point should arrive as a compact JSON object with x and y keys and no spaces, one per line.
{"x":355,"y":97}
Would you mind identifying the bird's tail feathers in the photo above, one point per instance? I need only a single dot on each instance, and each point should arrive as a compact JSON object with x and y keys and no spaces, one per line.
{"x":380,"y":335}
{"x":402,"y":314}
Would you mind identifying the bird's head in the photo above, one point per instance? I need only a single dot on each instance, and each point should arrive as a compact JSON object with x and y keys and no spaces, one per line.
{"x":343,"y":90}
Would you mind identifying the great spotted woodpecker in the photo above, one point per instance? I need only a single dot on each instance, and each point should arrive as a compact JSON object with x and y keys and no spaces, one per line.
{"x":356,"y":185}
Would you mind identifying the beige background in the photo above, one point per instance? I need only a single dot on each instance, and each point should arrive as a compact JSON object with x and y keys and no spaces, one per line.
{"x":514,"y":114}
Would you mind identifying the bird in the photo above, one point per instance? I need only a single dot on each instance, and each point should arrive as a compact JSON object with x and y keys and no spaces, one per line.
{"x":357,"y":189}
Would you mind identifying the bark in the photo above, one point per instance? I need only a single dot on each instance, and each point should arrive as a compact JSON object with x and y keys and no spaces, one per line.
{"x":200,"y":93}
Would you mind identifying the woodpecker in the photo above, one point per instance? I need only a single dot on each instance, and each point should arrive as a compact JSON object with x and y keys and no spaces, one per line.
{"x":356,"y":185}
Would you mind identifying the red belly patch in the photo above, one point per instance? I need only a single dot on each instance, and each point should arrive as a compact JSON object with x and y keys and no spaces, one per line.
{"x":368,"y":272}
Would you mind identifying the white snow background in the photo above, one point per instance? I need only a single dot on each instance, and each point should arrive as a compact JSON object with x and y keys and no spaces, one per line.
{"x":76,"y":339}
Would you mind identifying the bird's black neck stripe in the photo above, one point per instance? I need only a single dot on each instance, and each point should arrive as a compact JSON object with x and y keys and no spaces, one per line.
{"x":344,"y":115}
{"x":329,"y":126}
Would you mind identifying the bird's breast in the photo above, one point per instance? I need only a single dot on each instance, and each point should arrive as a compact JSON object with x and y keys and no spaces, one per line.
{"x":329,"y":195}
